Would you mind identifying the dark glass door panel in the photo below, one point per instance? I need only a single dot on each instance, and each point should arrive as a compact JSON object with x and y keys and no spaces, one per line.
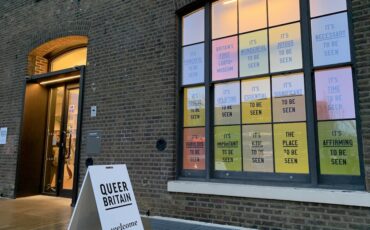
{"x":53,"y":137}
{"x":70,"y":135}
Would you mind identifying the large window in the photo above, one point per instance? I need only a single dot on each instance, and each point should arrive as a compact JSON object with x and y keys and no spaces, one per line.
{"x":267,"y":93}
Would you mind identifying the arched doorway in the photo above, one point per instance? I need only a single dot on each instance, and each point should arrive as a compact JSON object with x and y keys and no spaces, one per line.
{"x":50,"y":138}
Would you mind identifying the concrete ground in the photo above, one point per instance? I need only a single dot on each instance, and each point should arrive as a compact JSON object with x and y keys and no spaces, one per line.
{"x":53,"y":213}
{"x":35,"y":212}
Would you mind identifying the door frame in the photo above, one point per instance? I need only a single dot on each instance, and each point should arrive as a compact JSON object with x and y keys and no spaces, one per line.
{"x":78,"y":70}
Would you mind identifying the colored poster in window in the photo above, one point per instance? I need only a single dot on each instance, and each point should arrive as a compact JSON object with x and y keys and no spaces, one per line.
{"x":224,"y":18}
{"x":228,"y":148}
{"x":193,"y":27}
{"x":225,"y":58}
{"x":330,"y":40}
{"x":283,"y":11}
{"x":257,"y":148}
{"x":227,"y":103}
{"x":338,"y":148}
{"x":193,"y":64}
{"x":256,"y":100}
{"x":320,"y":7}
{"x":253,"y":53}
{"x":285,"y":48}
{"x":288,"y":98}
{"x":252,"y":15}
{"x":194,"y":107}
{"x":290,"y":145}
{"x":334,"y":94}
{"x":194,"y":149}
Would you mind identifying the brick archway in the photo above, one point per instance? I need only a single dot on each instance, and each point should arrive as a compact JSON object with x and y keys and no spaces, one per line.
{"x":38,"y":58}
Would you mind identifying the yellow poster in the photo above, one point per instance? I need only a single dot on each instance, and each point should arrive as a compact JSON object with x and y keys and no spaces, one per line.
{"x":256,"y":101}
{"x":290,"y":142}
{"x":194,"y":107}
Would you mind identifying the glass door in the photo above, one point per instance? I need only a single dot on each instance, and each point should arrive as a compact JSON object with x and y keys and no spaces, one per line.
{"x":60,"y":148}
{"x":53,"y":137}
{"x":70,"y":135}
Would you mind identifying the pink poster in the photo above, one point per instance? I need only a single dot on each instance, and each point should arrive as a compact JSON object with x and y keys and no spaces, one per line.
{"x":334,"y":94}
{"x":194,"y":149}
{"x":225,"y":58}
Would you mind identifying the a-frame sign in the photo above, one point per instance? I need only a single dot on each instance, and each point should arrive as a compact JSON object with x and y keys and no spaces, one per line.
{"x":106,"y":201}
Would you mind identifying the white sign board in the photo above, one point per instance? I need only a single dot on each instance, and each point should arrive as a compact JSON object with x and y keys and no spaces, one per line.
{"x":3,"y":134}
{"x":93,"y":111}
{"x":106,"y":201}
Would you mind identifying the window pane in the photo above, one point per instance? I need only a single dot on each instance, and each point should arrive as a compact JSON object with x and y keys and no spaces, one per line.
{"x":227,"y":148}
{"x":290,"y":141}
{"x":257,"y":148}
{"x":225,"y":58}
{"x":194,"y":107}
{"x":334,"y":94}
{"x":285,"y":48}
{"x":227,"y":103}
{"x":69,"y":59}
{"x":338,"y":148}
{"x":283,"y":11}
{"x":193,"y":27}
{"x":321,"y":7}
{"x":256,"y":100}
{"x":288,"y":98}
{"x":224,"y":18}
{"x":194,"y":149}
{"x":330,"y":40}
{"x":252,"y":15}
{"x":193,"y":64}
{"x":253,"y":53}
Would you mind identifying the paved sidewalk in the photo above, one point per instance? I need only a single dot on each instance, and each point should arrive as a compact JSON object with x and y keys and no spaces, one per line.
{"x":53,"y":213}
{"x":36,"y":212}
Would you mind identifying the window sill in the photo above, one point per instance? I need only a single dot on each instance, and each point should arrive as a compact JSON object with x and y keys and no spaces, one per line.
{"x":311,"y":195}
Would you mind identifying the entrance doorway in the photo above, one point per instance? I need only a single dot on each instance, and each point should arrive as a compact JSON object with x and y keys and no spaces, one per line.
{"x":61,"y":134}
{"x":49,"y":156}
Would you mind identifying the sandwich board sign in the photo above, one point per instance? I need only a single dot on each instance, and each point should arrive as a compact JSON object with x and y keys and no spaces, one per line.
{"x":106,"y":201}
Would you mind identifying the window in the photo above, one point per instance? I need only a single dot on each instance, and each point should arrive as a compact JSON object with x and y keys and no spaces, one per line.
{"x":267,"y":94}
{"x":69,"y":59}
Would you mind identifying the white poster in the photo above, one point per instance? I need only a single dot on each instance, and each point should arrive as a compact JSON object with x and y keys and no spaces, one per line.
{"x":285,"y":48}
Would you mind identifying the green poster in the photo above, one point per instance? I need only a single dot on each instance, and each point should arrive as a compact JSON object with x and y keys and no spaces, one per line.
{"x":338,"y":148}
{"x":228,"y":148}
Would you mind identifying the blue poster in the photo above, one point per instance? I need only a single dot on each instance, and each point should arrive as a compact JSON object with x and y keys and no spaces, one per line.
{"x":193,"y":64}
{"x":330,"y":40}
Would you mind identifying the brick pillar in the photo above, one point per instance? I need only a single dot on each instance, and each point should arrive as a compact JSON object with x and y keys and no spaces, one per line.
{"x":37,"y":65}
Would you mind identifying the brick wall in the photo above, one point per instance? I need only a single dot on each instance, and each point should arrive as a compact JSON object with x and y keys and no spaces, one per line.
{"x":131,"y":78}
{"x":41,"y":65}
